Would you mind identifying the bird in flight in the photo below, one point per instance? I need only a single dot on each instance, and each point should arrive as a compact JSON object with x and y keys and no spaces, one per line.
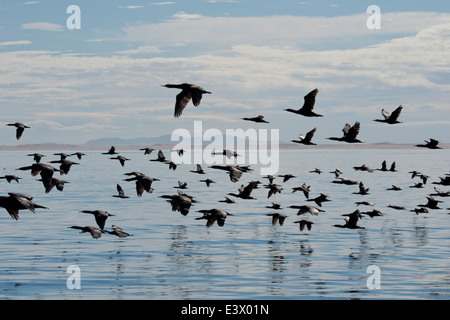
{"x":20,"y":128}
{"x":188,"y":91}
{"x":308,"y":105}
{"x":349,"y":134}
{"x":390,"y":118}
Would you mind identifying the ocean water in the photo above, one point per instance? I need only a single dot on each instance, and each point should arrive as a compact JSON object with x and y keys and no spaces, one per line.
{"x":171,"y":256}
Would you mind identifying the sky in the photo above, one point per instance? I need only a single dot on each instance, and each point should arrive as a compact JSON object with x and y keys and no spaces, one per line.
{"x":104,"y":79}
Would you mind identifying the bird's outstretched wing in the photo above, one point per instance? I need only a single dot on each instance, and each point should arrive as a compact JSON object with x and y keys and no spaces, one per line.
{"x":182,"y":100}
{"x":310,"y":100}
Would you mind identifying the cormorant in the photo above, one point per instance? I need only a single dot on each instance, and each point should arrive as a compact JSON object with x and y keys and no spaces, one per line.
{"x":308,"y":105}
{"x":390,"y":118}
{"x":188,"y":91}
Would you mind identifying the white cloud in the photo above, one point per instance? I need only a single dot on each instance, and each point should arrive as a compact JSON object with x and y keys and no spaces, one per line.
{"x":15,"y":43}
{"x":46,"y":26}
{"x":141,"y":50}
{"x":161,"y":3}
{"x":295,"y":31}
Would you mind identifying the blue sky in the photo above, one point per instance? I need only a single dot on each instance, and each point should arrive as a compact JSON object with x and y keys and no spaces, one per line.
{"x":256,"y":57}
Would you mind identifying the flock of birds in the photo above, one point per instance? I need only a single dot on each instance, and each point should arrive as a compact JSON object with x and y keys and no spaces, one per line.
{"x":182,"y":202}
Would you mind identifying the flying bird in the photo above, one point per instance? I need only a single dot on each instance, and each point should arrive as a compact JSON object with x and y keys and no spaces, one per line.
{"x":10,"y":178}
{"x":121,"y":193}
{"x":306,"y":208}
{"x":306,"y":140}
{"x":111,"y":150}
{"x":258,"y":119}
{"x":308,"y":105}
{"x":180,"y":202}
{"x":121,"y":159}
{"x":117,"y":231}
{"x":303,"y":223}
{"x":432,"y":144}
{"x":277,"y":217}
{"x":95,"y":233}
{"x":18,"y":201}
{"x":322,"y":198}
{"x":188,"y":91}
{"x":20,"y":128}
{"x":214,"y":215}
{"x":349,"y":134}
{"x":143,"y":182}
{"x":351,"y":220}
{"x":390,"y":118}
{"x":100,"y":216}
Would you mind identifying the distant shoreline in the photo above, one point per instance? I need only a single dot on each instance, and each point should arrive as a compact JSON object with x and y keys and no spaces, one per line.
{"x":363,"y":146}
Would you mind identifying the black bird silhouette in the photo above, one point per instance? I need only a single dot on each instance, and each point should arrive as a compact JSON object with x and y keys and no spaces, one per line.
{"x":362,"y":190}
{"x":227,"y":200}
{"x":213,"y":215}
{"x":95,"y":233}
{"x":286,"y":177}
{"x":440,"y":193}
{"x":303,"y":223}
{"x":306,"y":208}
{"x":303,"y":188}
{"x":277,"y":217}
{"x":394,"y":188}
{"x":244,"y":192}
{"x":147,"y":150}
{"x":188,"y":91}
{"x":111,"y":150}
{"x":226,"y":152}
{"x":50,"y":183}
{"x":15,"y":202}
{"x":432,"y":144}
{"x":36,"y":157}
{"x":350,"y":134}
{"x":208,"y":182}
{"x":431,"y":204}
{"x":337,"y":172}
{"x":342,"y":180}
{"x":100,"y":216}
{"x":20,"y":128}
{"x":180,"y":202}
{"x":363,"y":168}
{"x":10,"y":178}
{"x":322,"y":198}
{"x":306,"y":140}
{"x":143,"y":182}
{"x":351,"y":221}
{"x":308,"y":105}
{"x":258,"y":119}
{"x":45,"y":170}
{"x":121,"y":159}
{"x":373,"y":213}
{"x":396,"y":207}
{"x":121,"y":193}
{"x":235,"y":172}
{"x":65,"y":165}
{"x":78,"y":154}
{"x":390,"y":118}
{"x":181,"y":185}
{"x":419,"y":210}
{"x":275,"y":206}
{"x":273,"y":189}
{"x":117,"y":231}
{"x":199,"y":170}
{"x":161,"y":157}
{"x":62,"y":155}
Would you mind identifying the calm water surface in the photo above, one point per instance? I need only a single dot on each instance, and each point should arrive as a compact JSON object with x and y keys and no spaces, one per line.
{"x":172,"y":256}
